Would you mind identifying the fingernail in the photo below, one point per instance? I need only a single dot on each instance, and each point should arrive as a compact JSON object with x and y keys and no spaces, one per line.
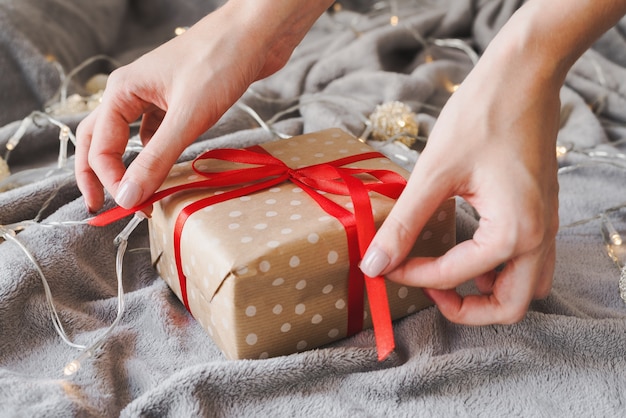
{"x":129,"y":194}
{"x":374,"y":262}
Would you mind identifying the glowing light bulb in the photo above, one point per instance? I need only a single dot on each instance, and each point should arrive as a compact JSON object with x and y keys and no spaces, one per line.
{"x":71,"y":367}
{"x":616,"y":238}
{"x":180,"y":30}
{"x":450,"y":86}
{"x":611,"y":236}
{"x":74,"y":365}
{"x":394,"y":20}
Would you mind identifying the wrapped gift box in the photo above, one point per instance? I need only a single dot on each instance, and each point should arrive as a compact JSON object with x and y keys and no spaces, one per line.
{"x":267,"y":272}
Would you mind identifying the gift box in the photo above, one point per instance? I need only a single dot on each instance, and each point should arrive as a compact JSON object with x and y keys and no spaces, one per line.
{"x":264,"y":265}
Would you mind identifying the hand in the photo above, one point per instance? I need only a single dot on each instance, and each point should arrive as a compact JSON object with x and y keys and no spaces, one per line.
{"x":180,"y":90}
{"x":494,"y":145}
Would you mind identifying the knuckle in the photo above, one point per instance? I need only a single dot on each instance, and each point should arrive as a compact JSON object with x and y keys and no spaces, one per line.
{"x":454,"y":316}
{"x":82,"y":131}
{"x":395,"y":238}
{"x":532,"y":235}
{"x":501,"y":244}
{"x":147,"y":163}
{"x":512,"y":314}
{"x":446,"y":273}
{"x":116,"y":78}
{"x":397,"y":227}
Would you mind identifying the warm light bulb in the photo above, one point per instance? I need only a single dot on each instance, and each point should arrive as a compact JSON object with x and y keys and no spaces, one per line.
{"x":180,"y":30}
{"x":611,"y":235}
{"x":71,"y":367}
{"x":394,"y":20}
{"x":561,"y":150}
{"x":616,"y":238}
{"x":74,"y":365}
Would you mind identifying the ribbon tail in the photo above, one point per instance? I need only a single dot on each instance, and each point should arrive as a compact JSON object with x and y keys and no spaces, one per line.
{"x":381,"y":316}
{"x":375,"y":286}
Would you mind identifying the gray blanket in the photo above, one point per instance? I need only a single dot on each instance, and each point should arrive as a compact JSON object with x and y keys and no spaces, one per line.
{"x":566,"y":358}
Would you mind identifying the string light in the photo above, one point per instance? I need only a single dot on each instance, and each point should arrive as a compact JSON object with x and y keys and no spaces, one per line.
{"x":595,"y":157}
{"x":616,"y":250}
{"x":393,"y":10}
{"x":180,"y":30}
{"x":4,"y":169}
{"x":613,"y":241}
{"x":610,"y":234}
{"x":121,"y":240}
{"x":19,"y":133}
{"x":38,"y":119}
{"x":61,"y":104}
{"x":9,"y":233}
{"x":561,"y":150}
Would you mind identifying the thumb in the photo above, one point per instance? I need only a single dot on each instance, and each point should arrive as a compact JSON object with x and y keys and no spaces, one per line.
{"x":398,"y":233}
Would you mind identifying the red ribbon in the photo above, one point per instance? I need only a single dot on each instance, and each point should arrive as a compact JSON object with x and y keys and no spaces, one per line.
{"x":330,"y":177}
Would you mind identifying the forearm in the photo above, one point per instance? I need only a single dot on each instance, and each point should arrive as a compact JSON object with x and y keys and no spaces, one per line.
{"x":273,"y":19}
{"x":275,"y":27}
{"x":548,"y":36}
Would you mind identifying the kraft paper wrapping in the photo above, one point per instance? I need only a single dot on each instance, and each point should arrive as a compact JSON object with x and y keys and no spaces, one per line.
{"x":267,"y":273}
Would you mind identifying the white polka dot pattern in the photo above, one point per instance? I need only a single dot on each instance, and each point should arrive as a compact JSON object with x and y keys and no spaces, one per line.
{"x":267,"y":272}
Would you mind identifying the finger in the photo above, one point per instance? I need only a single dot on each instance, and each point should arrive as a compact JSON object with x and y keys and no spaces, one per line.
{"x":465,"y":261}
{"x":150,"y":123}
{"x":111,"y":132}
{"x":485,"y":282}
{"x":397,"y":234}
{"x":148,"y":171}
{"x":508,"y":303}
{"x":86,"y":179}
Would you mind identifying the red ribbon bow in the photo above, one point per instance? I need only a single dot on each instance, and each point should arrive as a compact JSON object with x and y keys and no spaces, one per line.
{"x":330,"y":177}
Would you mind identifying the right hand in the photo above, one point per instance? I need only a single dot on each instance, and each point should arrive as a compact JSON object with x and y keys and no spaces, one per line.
{"x":180,"y":90}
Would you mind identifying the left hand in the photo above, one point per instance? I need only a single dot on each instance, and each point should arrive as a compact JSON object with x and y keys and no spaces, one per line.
{"x":493,"y":145}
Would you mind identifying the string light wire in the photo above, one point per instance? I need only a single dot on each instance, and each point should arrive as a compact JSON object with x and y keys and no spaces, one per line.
{"x":9,"y":233}
{"x":121,"y":240}
{"x":61,"y":94}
